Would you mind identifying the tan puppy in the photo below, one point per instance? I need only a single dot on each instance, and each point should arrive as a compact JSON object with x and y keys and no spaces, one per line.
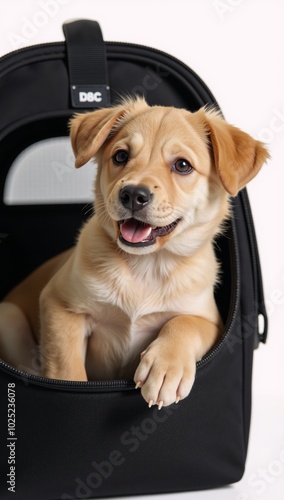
{"x":141,"y":277}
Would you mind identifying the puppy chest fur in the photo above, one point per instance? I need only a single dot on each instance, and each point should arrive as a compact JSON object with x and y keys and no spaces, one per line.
{"x":114,"y":341}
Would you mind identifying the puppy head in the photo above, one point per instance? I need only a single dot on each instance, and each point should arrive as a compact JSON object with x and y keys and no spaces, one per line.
{"x":164,"y":174}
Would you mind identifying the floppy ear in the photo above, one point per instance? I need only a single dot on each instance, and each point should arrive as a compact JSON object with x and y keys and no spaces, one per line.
{"x":88,"y":131}
{"x":238,"y":157}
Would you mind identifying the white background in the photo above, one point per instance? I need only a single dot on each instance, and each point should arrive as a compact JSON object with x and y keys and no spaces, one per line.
{"x":236,"y":46}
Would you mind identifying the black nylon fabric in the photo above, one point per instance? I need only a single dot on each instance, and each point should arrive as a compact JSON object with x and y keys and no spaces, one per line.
{"x":84,"y":46}
{"x":95,"y":440}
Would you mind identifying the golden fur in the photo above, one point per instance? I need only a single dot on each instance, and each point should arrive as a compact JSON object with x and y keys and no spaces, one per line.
{"x":119,"y":305}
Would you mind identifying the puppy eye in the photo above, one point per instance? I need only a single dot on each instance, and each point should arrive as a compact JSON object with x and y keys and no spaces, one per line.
{"x":121,"y":157}
{"x":182,"y":166}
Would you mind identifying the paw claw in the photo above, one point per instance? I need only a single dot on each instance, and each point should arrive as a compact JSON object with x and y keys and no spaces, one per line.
{"x":138,"y":385}
{"x":150,"y":404}
{"x":160,"y":405}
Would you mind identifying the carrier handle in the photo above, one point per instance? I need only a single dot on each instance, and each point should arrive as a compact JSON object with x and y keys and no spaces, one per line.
{"x":87,"y":64}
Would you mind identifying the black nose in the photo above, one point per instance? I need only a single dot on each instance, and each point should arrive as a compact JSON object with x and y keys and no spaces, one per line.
{"x":135,"y":197}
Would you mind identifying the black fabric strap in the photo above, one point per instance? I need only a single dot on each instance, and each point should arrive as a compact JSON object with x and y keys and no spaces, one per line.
{"x":87,"y":64}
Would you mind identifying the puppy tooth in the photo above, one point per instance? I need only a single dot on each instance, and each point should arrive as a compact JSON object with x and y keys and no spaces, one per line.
{"x":160,"y":405}
{"x":150,"y":404}
{"x":149,"y":232}
{"x":177,"y":400}
{"x":138,"y":385}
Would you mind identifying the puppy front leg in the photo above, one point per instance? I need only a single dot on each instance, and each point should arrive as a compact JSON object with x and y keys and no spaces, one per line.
{"x":167,"y":368}
{"x":61,"y":341}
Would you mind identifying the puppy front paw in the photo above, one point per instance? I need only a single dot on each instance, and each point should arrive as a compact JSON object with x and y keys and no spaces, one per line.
{"x":164,"y":375}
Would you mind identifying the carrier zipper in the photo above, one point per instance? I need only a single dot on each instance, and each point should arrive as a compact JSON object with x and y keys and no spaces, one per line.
{"x":97,"y":386}
{"x":60,"y":46}
{"x":257,"y":277}
{"x":29,"y":47}
{"x":120,"y":45}
{"x":235,"y":289}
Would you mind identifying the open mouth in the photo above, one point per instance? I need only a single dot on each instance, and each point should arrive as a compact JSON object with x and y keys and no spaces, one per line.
{"x":138,"y":233}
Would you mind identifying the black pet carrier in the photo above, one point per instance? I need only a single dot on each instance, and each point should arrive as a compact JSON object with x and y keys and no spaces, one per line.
{"x":64,"y":440}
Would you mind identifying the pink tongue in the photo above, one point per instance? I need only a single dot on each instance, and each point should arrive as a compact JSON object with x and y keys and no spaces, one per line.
{"x":134,"y":231}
